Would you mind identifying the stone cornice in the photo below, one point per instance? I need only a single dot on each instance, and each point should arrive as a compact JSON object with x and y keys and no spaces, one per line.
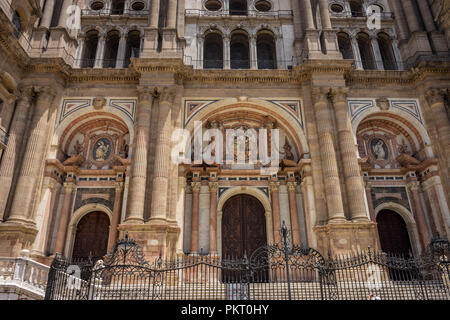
{"x":103,"y":75}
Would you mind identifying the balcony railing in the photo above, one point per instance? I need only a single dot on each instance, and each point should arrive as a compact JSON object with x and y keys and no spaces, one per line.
{"x":27,"y":276}
{"x":113,"y":12}
{"x":251,"y":13}
{"x":359,"y":14}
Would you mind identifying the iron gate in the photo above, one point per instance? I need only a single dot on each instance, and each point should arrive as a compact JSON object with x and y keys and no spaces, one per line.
{"x":276,"y":272}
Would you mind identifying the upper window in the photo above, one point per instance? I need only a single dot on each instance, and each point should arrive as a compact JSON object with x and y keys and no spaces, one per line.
{"x":337,"y":8}
{"x":97,"y":5}
{"x":138,"y":6}
{"x":17,"y":22}
{"x":263,"y":5}
{"x":213,"y":5}
{"x":238,"y":7}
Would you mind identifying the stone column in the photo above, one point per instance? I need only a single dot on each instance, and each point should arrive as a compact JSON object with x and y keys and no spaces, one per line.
{"x":80,"y":49}
{"x":411,"y":16}
{"x":154,"y":14}
{"x":21,"y":209}
{"x":419,"y":214}
{"x":305,"y":6}
{"x":172,"y":14}
{"x":400,"y":19}
{"x":160,"y":181}
{"x":181,"y":211}
{"x":295,"y":225}
{"x":427,"y":17}
{"x":368,"y":187}
{"x":121,"y":52}
{"x":307,"y":187}
{"x":113,"y":232}
{"x":353,"y":181}
{"x":274,"y":185}
{"x":136,"y":201}
{"x":64,"y":16}
{"x":325,"y":14}
{"x":200,"y":48}
{"x":253,"y":52}
{"x":195,"y":215}
{"x":64,"y":220}
{"x":356,"y":52}
{"x":377,"y":53}
{"x":328,"y":156}
{"x":226,"y":52}
{"x":100,"y":54}
{"x":52,"y":222}
{"x":213,"y":187}
{"x":12,"y":152}
{"x":440,"y":116}
{"x":48,"y":14}
{"x":397,"y":55}
{"x":51,"y":188}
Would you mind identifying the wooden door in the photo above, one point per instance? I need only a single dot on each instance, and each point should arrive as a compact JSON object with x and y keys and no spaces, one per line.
{"x":393,"y":233}
{"x":243,"y":226}
{"x":91,"y":237}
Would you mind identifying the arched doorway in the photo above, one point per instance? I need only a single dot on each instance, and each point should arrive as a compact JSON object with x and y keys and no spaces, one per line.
{"x":243,"y":226}
{"x":393,"y":233}
{"x":91,"y":238}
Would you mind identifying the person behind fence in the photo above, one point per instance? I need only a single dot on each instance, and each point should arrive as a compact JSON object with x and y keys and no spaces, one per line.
{"x":373,"y":296}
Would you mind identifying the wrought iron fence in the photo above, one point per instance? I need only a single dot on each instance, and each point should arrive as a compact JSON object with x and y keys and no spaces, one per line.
{"x":276,"y":272}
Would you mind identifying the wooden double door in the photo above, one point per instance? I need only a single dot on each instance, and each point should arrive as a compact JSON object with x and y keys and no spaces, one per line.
{"x":243,"y":226}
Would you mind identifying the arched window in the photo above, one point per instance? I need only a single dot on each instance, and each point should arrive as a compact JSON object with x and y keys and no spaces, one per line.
{"x":239,"y":50}
{"x":356,"y":8}
{"x":365,"y":49}
{"x":118,"y":7}
{"x":17,"y":23}
{"x":90,"y":49}
{"x":213,"y":51}
{"x":238,"y":7}
{"x":345,"y":45}
{"x":266,"y":48}
{"x":111,"y":49}
{"x":387,"y":53}
{"x":133,"y":49}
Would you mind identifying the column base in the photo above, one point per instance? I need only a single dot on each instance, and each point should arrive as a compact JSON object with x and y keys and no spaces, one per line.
{"x":154,"y":238}
{"x":344,"y":238}
{"x":15,"y":237}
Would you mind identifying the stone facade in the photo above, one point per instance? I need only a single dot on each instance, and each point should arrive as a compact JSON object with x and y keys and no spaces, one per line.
{"x":90,"y":115}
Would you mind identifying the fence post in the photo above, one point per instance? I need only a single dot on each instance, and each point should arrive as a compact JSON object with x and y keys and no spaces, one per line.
{"x":51,"y":280}
{"x":284,"y":233}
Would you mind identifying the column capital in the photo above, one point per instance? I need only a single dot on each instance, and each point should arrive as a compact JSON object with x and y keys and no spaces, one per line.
{"x":196,"y":186}
{"x":26,"y":92}
{"x":413,"y":185}
{"x":69,"y":187}
{"x":213,"y":186}
{"x":291,"y":185}
{"x":435,"y":96}
{"x":320,"y":94}
{"x":118,"y":186}
{"x":45,"y":93}
{"x":368,"y":185}
{"x":339,"y":94}
{"x":273,"y":186}
{"x":145,"y":94}
{"x":167,"y":95}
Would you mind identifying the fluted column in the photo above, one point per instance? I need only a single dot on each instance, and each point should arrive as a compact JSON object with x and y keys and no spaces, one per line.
{"x":226,"y":52}
{"x":50,"y":189}
{"x":305,"y":6}
{"x":333,"y":192}
{"x":200,"y":48}
{"x":411,"y":16}
{"x":113,"y":232}
{"x":100,"y":53}
{"x":34,"y":154}
{"x":400,"y":19}
{"x":63,"y":224}
{"x":356,"y":52}
{"x":377,"y":53}
{"x":419,"y":214}
{"x":80,"y":49}
{"x":52,"y":221}
{"x":195,"y":215}
{"x":253,"y":52}
{"x":325,"y":14}
{"x":160,"y":181}
{"x":213,"y":187}
{"x":441,"y":122}
{"x":274,"y":192}
{"x":62,"y":22}
{"x":368,"y":187}
{"x":121,"y":51}
{"x":295,"y":224}
{"x":172,"y":14}
{"x":48,"y":14}
{"x":136,"y":200}
{"x":154,"y":14}
{"x":427,"y":17}
{"x":353,"y":181}
{"x":15,"y":142}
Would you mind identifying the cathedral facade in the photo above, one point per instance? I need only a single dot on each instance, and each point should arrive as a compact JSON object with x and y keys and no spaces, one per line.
{"x":338,"y":112}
